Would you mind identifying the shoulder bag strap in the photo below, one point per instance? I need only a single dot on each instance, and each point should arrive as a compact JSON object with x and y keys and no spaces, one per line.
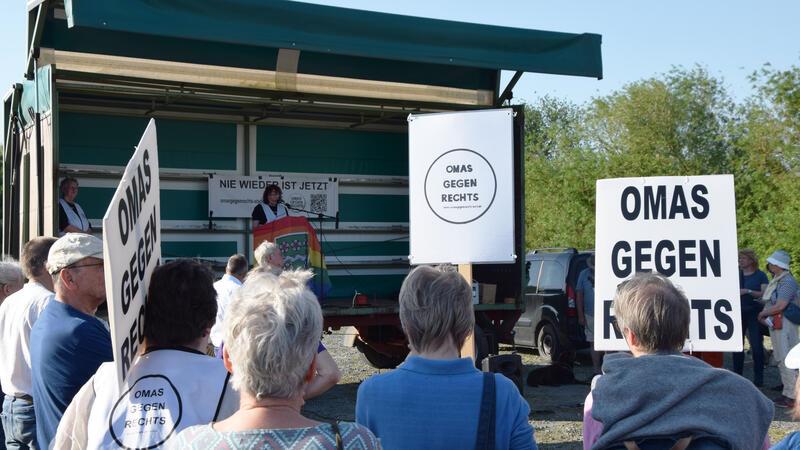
{"x":222,"y":395}
{"x":486,"y":418}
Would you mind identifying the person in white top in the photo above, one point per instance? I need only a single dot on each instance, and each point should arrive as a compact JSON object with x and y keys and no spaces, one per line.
{"x":11,"y":277}
{"x":18,"y":313}
{"x":235,"y":271}
{"x":172,"y":385}
{"x":271,"y":208}
{"x":71,"y":218}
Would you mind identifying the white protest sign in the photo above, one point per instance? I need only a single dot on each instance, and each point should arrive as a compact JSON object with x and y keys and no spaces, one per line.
{"x":461,"y":187}
{"x":235,"y":196}
{"x":683,"y":228}
{"x":131,"y":248}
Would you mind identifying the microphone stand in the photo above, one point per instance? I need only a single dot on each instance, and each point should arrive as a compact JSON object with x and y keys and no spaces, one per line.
{"x":320,"y":216}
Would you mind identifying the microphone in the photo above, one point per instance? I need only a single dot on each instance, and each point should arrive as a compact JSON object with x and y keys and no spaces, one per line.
{"x":337,"y":220}
{"x":283,"y":202}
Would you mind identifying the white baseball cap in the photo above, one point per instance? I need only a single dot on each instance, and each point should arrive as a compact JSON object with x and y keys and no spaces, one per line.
{"x":71,"y":248}
{"x":792,"y":360}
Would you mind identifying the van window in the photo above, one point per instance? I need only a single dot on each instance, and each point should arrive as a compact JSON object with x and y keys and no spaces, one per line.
{"x":552,"y":277}
{"x":533,"y":272}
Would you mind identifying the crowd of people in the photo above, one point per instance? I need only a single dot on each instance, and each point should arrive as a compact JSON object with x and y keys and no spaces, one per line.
{"x":228,"y":364}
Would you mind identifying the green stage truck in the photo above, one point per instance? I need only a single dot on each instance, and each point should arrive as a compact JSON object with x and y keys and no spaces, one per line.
{"x":245,"y":88}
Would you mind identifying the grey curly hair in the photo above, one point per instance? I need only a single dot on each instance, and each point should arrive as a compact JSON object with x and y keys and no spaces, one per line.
{"x":272,"y":330}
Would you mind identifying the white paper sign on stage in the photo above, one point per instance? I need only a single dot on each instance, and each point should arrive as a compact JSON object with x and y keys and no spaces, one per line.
{"x":236,"y":196}
{"x":461,"y":187}
{"x":683,"y":228}
{"x":132,"y":249}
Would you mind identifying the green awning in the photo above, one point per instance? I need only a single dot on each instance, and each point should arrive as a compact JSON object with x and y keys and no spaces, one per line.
{"x":343,"y":31}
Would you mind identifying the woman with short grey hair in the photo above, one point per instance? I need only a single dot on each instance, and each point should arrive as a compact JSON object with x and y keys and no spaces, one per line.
{"x":268,"y":255}
{"x":436,"y":316}
{"x":11,"y":277}
{"x":272,"y":330}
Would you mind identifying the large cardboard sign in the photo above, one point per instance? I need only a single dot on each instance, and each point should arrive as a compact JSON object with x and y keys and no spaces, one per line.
{"x":461,"y":192}
{"x":235,"y":196}
{"x":683,"y":228}
{"x":132,"y":249}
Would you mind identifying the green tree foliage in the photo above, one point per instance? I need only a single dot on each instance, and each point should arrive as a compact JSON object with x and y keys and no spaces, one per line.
{"x":681,"y":123}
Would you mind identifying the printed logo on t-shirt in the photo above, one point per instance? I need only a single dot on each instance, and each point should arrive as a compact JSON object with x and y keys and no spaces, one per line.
{"x":147,"y":414}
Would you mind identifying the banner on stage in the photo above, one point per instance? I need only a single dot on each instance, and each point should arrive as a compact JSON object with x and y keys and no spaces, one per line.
{"x":683,"y":228}
{"x":132,"y":249}
{"x":461,"y":187}
{"x":236,"y":196}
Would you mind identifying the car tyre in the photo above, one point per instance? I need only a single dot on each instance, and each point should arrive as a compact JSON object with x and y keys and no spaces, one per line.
{"x":547,"y":342}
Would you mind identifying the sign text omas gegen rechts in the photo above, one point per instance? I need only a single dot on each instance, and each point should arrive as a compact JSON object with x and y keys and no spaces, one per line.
{"x":131,"y":249}
{"x":683,"y":228}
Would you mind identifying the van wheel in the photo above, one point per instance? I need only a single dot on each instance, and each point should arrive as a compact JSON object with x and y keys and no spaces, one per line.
{"x":547,"y":342}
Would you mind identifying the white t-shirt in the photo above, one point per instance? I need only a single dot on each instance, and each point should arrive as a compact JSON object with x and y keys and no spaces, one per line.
{"x":166,"y":391}
{"x":18,"y":313}
{"x":225,"y":288}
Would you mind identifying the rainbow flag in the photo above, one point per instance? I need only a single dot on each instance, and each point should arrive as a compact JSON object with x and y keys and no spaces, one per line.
{"x":300,"y":249}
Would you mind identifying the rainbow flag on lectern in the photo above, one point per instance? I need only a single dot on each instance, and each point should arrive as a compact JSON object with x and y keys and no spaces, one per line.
{"x":300,"y":248}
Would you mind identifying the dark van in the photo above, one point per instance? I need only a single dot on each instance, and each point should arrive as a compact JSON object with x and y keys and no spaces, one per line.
{"x":550,"y":321}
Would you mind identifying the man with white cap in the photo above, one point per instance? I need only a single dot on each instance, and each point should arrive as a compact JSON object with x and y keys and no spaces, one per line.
{"x":68,"y":343}
{"x":780,"y":292}
{"x":18,"y":313}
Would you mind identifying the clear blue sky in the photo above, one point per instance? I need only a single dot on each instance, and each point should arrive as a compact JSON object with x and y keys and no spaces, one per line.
{"x":732,"y":38}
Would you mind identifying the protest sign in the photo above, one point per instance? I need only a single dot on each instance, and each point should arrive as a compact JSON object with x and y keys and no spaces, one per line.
{"x":235,"y":196}
{"x":131,"y":248}
{"x":461,"y":193}
{"x":683,"y":228}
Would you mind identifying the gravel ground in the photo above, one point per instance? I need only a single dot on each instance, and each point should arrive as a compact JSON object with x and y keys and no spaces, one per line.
{"x":556,"y":412}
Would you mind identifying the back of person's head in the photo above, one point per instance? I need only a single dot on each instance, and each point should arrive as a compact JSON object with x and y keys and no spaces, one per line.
{"x":33,"y":258}
{"x":655,"y":310}
{"x":264,"y":251}
{"x":181,"y":303}
{"x":436,"y":305}
{"x":273,"y":325}
{"x":10,"y":271}
{"x":237,"y":265}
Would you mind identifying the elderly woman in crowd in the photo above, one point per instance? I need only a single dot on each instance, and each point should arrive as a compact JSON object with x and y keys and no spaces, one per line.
{"x":752,"y":283}
{"x":434,"y":399}
{"x":11,"y":278}
{"x":780,"y":292}
{"x":272,"y":330}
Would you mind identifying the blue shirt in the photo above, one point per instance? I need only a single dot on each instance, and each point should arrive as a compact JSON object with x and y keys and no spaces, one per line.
{"x":586,"y":285}
{"x":434,"y":404}
{"x":790,"y":442}
{"x":67,"y":347}
{"x":752,"y":282}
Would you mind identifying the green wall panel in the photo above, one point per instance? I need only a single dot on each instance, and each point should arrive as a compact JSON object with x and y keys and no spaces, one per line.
{"x":382,"y":286}
{"x":291,"y":149}
{"x":373,"y":208}
{"x":175,"y":204}
{"x":109,"y":140}
{"x":364,"y":248}
{"x":193,"y":205}
{"x":198,"y":249}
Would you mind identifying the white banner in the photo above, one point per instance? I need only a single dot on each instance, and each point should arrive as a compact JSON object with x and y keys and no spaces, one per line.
{"x":461,"y":187}
{"x":131,"y":248}
{"x":236,"y":196}
{"x":683,"y":228}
